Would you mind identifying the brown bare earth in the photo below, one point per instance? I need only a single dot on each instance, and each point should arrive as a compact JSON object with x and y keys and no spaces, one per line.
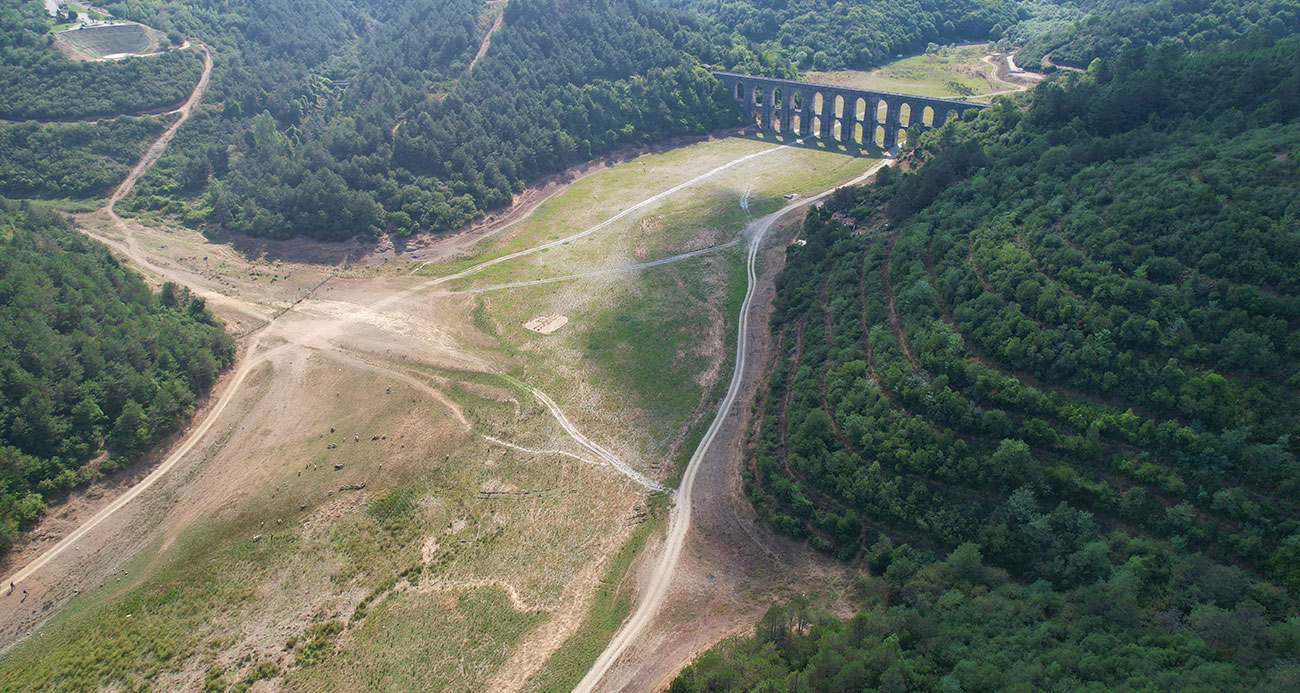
{"x":358,"y":378}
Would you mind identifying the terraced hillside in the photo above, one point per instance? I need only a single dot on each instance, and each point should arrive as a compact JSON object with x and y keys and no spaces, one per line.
{"x":1061,"y":351}
{"x":1075,"y":305}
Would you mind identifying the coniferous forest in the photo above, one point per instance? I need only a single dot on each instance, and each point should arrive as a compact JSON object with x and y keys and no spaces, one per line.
{"x":1037,"y":386}
{"x":94,"y":366}
{"x":1108,"y":28}
{"x":1043,"y":387}
{"x":332,"y":119}
{"x":39,"y":83}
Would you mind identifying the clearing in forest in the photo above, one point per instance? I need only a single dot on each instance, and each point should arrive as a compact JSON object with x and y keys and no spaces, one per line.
{"x":950,"y":72}
{"x":109,"y":41}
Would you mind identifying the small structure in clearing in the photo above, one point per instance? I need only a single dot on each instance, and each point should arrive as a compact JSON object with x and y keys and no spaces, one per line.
{"x":546,"y":324}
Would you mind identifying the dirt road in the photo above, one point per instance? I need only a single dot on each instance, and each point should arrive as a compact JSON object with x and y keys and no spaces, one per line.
{"x":679,"y":521}
{"x":996,"y":63}
{"x":602,"y":272}
{"x":487,"y":38}
{"x":313,"y":337}
{"x":156,"y":149}
{"x":593,"y":229}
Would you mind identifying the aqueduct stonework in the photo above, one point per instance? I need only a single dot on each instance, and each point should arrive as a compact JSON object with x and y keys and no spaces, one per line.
{"x":789,"y":106}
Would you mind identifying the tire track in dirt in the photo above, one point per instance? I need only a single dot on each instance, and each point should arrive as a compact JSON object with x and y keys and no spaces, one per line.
{"x":601,"y":272}
{"x":679,"y":519}
{"x":487,"y":38}
{"x":475,"y":269}
{"x":199,"y":433}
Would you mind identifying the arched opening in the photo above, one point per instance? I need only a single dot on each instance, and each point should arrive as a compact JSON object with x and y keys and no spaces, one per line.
{"x":905,"y":115}
{"x":796,"y":115}
{"x":818,"y":104}
{"x":858,"y":134}
{"x":860,"y":108}
{"x":901,"y":137}
{"x":838,"y":114}
{"x":740,"y":91}
{"x":927,"y":116}
{"x":816,"y":128}
{"x":878,"y":135}
{"x":882,"y":111}
{"x":776,"y":97}
{"x":758,"y":96}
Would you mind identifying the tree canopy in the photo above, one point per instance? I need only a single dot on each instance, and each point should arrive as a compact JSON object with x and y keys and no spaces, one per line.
{"x":94,"y":367}
{"x":1064,"y":339}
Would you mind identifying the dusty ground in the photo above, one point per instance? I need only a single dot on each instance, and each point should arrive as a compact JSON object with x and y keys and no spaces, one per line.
{"x":397,"y":378}
{"x":730,"y":569}
{"x":525,"y":459}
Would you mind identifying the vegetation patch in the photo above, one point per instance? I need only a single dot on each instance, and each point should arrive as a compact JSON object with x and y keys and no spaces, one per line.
{"x":72,"y":160}
{"x":610,"y":606}
{"x":1061,"y":349}
{"x":41,"y":84}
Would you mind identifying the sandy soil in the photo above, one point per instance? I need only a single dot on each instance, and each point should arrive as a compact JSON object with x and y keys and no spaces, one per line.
{"x":546,"y":324}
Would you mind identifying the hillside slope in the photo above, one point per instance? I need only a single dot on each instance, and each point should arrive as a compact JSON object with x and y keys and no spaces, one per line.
{"x":1066,"y":345}
{"x":91,"y":362}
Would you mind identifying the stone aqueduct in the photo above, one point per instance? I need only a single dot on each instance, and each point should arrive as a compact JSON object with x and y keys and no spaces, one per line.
{"x":776,"y":103}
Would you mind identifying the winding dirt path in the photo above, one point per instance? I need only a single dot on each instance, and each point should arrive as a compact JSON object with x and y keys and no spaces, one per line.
{"x":329,"y":328}
{"x":993,"y":62}
{"x":161,"y":470}
{"x":151,"y":155}
{"x":679,"y":521}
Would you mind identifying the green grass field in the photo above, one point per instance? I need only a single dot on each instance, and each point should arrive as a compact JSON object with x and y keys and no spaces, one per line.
{"x":952,"y":72}
{"x":412,"y":582}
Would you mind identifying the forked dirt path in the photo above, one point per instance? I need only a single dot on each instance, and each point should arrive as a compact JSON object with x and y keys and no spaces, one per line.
{"x":475,"y":269}
{"x":317,"y":334}
{"x":679,"y":521}
{"x":997,"y":66}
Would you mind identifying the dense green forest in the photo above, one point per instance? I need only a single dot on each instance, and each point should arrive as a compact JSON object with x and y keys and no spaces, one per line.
{"x":77,"y":160}
{"x":859,"y":34}
{"x":397,"y":135}
{"x":1107,"y":28}
{"x":960,"y":625}
{"x":333,"y":119}
{"x":1065,"y":341}
{"x":91,"y":361}
{"x":398,"y":151}
{"x":38,"y":82}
